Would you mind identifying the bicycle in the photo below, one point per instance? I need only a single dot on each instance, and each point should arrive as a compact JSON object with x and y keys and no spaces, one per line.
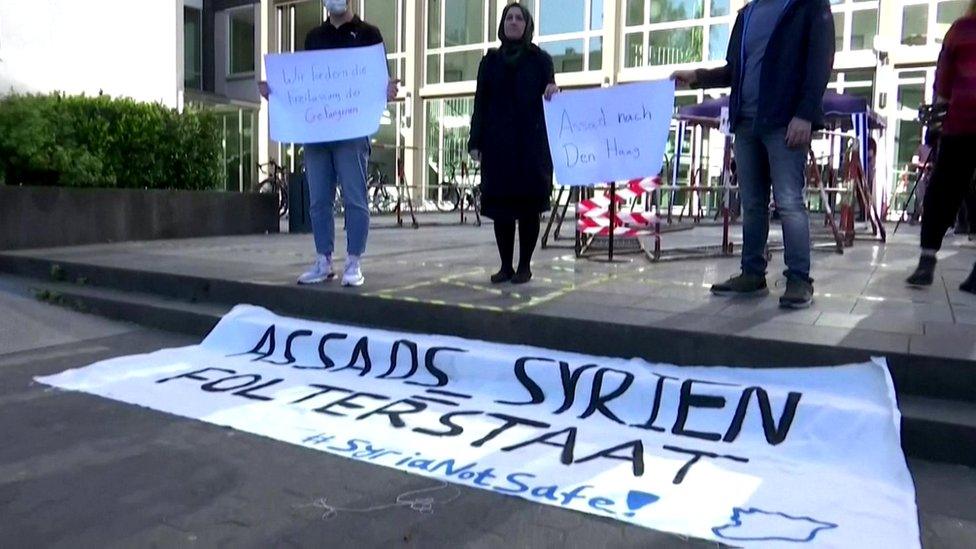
{"x":381,"y":195}
{"x":276,"y":182}
{"x":461,"y":193}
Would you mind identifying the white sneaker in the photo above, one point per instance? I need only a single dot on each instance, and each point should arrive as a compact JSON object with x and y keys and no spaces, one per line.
{"x":320,"y":271}
{"x":353,"y":275}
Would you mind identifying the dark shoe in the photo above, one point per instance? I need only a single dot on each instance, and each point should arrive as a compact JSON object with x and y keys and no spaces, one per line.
{"x":969,"y":285}
{"x":745,"y":285}
{"x":503,"y":275}
{"x":799,"y":294}
{"x":925,"y":272}
{"x":521,"y":277}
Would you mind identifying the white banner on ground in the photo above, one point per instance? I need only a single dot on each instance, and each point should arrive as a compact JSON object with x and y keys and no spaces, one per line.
{"x":609,"y":134}
{"x":326,"y":95}
{"x":754,"y":457}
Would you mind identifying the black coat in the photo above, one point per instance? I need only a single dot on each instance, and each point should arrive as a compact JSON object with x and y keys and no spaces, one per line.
{"x":795,"y":71}
{"x":509,"y":129}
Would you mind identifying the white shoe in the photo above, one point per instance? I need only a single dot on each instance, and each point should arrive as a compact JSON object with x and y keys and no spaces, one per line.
{"x":320,"y":271}
{"x":353,"y":275}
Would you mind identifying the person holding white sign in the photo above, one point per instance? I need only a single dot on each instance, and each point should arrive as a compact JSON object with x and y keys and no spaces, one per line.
{"x":343,"y":162}
{"x":780,"y":57}
{"x":508,"y":137}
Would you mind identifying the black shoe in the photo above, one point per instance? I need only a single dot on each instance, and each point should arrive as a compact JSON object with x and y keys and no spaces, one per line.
{"x":745,"y":285}
{"x":969,"y":285}
{"x":503,"y":275}
{"x":925,"y":272}
{"x":521,"y":277}
{"x":799,"y":294}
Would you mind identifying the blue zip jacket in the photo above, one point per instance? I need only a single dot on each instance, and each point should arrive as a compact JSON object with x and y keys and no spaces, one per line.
{"x":795,"y":71}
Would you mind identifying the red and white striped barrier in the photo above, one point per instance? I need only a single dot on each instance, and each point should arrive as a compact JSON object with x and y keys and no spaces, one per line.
{"x":594,"y":214}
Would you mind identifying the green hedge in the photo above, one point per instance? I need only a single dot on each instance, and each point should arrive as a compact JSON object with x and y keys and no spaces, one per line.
{"x":103,"y":142}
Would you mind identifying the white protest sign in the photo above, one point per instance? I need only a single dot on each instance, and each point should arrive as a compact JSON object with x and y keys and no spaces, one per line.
{"x":748,"y":457}
{"x":326,"y":95}
{"x":609,"y":134}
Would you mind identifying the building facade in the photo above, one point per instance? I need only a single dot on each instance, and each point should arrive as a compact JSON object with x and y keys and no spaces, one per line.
{"x":208,"y":53}
{"x":886,"y":52}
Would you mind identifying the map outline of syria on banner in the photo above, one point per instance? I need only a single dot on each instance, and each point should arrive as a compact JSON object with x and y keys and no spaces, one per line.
{"x":323,"y":96}
{"x":748,"y":457}
{"x":610,"y":134}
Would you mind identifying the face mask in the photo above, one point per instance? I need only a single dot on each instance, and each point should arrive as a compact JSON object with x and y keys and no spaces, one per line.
{"x":337,"y":7}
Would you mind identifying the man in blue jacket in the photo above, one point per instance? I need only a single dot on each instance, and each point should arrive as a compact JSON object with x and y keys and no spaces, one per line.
{"x":781,"y":53}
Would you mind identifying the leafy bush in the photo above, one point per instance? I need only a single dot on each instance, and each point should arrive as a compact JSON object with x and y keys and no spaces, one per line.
{"x":79,"y":141}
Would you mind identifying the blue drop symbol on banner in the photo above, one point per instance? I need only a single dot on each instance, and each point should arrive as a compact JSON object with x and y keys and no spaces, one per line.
{"x":637,"y":500}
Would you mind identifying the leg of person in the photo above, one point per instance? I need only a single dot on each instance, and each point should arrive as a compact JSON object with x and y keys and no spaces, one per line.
{"x":321,"y":175}
{"x":528,"y":227}
{"x":947,"y":190}
{"x":505,"y":240}
{"x":351,"y":164}
{"x":969,"y":167}
{"x":971,"y":211}
{"x":752,"y":169}
{"x":788,"y":169}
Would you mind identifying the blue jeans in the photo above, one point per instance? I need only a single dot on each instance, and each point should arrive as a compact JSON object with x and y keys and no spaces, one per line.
{"x":764,"y":160}
{"x":342,"y":163}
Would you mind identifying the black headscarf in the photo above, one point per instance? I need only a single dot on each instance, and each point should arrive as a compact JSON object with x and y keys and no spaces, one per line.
{"x":512,"y":50}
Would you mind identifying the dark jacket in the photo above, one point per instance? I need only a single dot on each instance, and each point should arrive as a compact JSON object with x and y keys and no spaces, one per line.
{"x":509,"y":128}
{"x":354,"y":34}
{"x":796,"y":68}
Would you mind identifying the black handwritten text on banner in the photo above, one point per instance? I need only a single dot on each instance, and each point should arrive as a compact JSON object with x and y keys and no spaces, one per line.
{"x":730,"y":454}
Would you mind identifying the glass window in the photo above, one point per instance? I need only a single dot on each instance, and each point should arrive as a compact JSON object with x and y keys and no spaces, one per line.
{"x":914,"y":25}
{"x":433,"y":23}
{"x":192,"y":49}
{"x":460,"y":66}
{"x":946,"y":15}
{"x":561,"y":16}
{"x":911,"y":96}
{"x":447,"y":131}
{"x":383,"y":14}
{"x":948,"y":12}
{"x":907,"y":140}
{"x":242,"y":41}
{"x":864,"y":26}
{"x":673,"y":46}
{"x":596,"y":14}
{"x":839,"y":30}
{"x":567,"y":55}
{"x":635,"y":12}
{"x":634,"y":49}
{"x":596,"y":53}
{"x":718,"y":42}
{"x":247,"y":149}
{"x":720,"y":7}
{"x":308,"y":15}
{"x":463,"y":22}
{"x":232,"y":151}
{"x":675,"y":10}
{"x":433,"y":69}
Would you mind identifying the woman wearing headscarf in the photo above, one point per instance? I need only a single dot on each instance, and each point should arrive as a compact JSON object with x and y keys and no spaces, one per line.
{"x":955,"y":84}
{"x":508,"y":137}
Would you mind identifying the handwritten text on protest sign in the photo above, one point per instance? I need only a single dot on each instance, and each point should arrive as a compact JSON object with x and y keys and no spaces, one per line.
{"x":328,"y":95}
{"x":609,"y":134}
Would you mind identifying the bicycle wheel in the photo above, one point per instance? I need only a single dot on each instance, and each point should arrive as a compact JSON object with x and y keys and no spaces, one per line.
{"x":282,"y":200}
{"x":392,"y":197}
{"x":450,"y":199}
{"x":265,"y":186}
